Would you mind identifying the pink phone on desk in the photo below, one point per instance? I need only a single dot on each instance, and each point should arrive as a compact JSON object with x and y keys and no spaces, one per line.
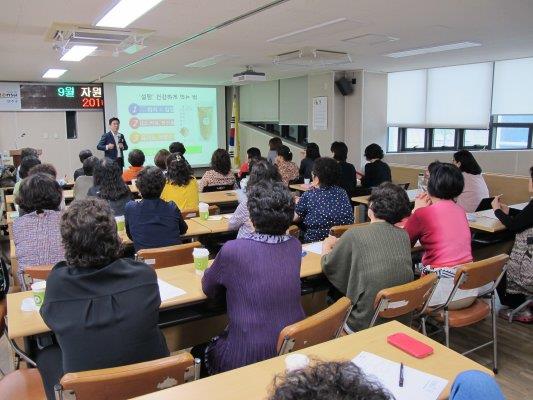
{"x":410,"y":345}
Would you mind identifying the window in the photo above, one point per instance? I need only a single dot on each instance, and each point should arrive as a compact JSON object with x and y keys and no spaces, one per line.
{"x":291,"y":133}
{"x":443,"y":139}
{"x":476,"y":138}
{"x":415,"y":139}
{"x":72,"y":126}
{"x":392,"y":143}
{"x":512,"y":131}
{"x":511,"y":138}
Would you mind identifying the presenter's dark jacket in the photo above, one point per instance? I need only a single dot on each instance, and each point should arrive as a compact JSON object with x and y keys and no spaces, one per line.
{"x":104,"y":317}
{"x":107,"y":138}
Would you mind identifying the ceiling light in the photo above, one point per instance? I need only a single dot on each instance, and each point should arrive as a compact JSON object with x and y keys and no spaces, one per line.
{"x":210,"y":61}
{"x":157,"y":77}
{"x":435,"y":49}
{"x":126,"y":11}
{"x":54,"y":73}
{"x":310,"y":28}
{"x":78,"y":53}
{"x":307,"y":57}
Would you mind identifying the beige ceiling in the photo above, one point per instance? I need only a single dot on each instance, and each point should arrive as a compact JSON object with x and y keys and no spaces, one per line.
{"x":503,"y":27}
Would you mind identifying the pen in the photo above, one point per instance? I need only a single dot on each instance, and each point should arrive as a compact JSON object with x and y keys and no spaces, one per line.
{"x":401,"y":375}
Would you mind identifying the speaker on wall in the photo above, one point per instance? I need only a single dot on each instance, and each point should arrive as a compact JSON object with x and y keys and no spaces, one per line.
{"x":345,"y":86}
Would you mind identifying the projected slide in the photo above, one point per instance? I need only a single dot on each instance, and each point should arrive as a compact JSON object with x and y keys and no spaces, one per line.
{"x":154,"y":116}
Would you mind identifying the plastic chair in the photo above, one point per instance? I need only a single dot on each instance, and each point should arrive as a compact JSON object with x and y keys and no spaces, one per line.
{"x":128,"y":381}
{"x":473,"y":276}
{"x":294,"y":231}
{"x":339,"y":230}
{"x":318,"y":328}
{"x":35,"y":272}
{"x":169,"y":256}
{"x":403,"y":299}
{"x":193,"y":212}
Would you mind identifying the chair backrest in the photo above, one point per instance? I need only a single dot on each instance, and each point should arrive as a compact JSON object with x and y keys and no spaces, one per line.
{"x":479,"y":273}
{"x":339,"y":230}
{"x":35,"y":272}
{"x":318,"y":328}
{"x":128,"y":381}
{"x":294,"y":231}
{"x":403,"y":299}
{"x":193,"y":212}
{"x":218,"y":188}
{"x":169,"y":256}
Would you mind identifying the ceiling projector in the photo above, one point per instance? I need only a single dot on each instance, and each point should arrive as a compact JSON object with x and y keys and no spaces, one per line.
{"x":248,"y":76}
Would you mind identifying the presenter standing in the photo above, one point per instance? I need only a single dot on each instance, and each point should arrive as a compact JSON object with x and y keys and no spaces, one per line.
{"x":112,"y":143}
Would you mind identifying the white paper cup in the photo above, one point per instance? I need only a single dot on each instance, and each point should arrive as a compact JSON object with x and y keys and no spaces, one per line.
{"x":203,"y":210}
{"x":296,"y":361}
{"x":38,"y":289}
{"x":201,"y":260}
{"x":121,"y":223}
{"x":307,"y":181}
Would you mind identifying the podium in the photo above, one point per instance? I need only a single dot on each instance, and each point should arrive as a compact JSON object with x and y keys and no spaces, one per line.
{"x":16,"y":156}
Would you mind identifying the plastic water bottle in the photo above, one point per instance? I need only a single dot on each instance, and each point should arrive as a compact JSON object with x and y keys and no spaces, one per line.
{"x":421,"y":181}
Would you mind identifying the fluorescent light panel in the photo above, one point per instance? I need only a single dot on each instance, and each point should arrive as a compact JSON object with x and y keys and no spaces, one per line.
{"x":435,"y":49}
{"x":54,"y":73}
{"x":310,"y":28}
{"x":126,"y":11}
{"x":157,"y":77}
{"x":210,"y":61}
{"x":78,"y":53}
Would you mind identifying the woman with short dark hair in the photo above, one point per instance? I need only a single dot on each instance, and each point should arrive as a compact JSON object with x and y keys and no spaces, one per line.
{"x":85,"y":181}
{"x":443,"y":230}
{"x":261,"y":171}
{"x":287,"y":169}
{"x":260,"y":277}
{"x":181,"y":186}
{"x":326,"y":205}
{"x":369,"y":258}
{"x":153,"y":222}
{"x":312,"y":152}
{"x":26,"y":164}
{"x":273,"y":146}
{"x":136,"y":159}
{"x":160,"y":159}
{"x":348,"y":174}
{"x":109,"y":186}
{"x":220,"y":173}
{"x":102,"y":309}
{"x":475,"y":188}
{"x":36,"y":233}
{"x":253,"y":153}
{"x":376,"y":171}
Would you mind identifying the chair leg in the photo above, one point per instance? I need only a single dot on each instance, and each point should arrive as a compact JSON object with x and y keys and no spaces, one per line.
{"x":446,"y":328}
{"x":423,"y":322}
{"x":494,"y":333}
{"x":518,"y":309}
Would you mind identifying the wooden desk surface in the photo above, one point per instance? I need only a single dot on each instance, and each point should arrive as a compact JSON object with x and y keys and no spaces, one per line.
{"x":255,"y":381}
{"x":26,"y":323}
{"x":486,"y":220}
{"x":213,"y":225}
{"x":411,"y":193}
{"x":224,"y":196}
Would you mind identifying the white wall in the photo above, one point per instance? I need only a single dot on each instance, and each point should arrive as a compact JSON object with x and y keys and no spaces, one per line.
{"x":46,"y":130}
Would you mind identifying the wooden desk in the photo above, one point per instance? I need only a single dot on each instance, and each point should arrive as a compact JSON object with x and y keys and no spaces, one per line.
{"x":486,"y":221}
{"x":24,"y":323}
{"x":215,"y":226}
{"x":255,"y":381}
{"x":412,"y":193}
{"x":224,"y":196}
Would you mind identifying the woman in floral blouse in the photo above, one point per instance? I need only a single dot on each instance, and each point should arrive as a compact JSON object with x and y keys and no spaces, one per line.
{"x":220,"y":174}
{"x":287,"y":169}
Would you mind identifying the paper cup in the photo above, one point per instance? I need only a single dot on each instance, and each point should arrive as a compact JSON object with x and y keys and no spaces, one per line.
{"x":201,"y":260}
{"x":38,"y":289}
{"x":121,"y":223}
{"x":307,"y":181}
{"x":294,"y":362}
{"x":203,"y":210}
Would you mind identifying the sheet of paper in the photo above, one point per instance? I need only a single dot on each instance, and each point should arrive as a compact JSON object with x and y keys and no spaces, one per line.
{"x":214,"y":218}
{"x":167,"y":291}
{"x":320,"y":113}
{"x":490,"y":213}
{"x":28,"y":305}
{"x":315,"y":247}
{"x":416,"y":384}
{"x":227,"y":216}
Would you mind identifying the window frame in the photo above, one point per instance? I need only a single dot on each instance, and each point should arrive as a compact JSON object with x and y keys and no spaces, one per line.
{"x":493,"y":129}
{"x":402,"y":135}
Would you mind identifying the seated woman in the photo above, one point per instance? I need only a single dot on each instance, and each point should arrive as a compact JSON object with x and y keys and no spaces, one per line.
{"x":475,"y":188}
{"x":348,"y":178}
{"x":371,"y":257}
{"x":518,"y":280}
{"x":136,"y":159}
{"x":260,"y":277}
{"x":181,"y":186}
{"x":253,"y":153}
{"x":443,"y":231}
{"x":36,"y":233}
{"x":220,"y":174}
{"x":84,"y":154}
{"x":261,"y":171}
{"x":102,"y":309}
{"x":153,"y":222}
{"x":325,"y":206}
{"x":312,"y":152}
{"x":86,"y":181}
{"x":160,"y":160}
{"x":376,"y":171}
{"x":26,"y":164}
{"x":273,"y":146}
{"x":109,"y":186}
{"x":287,"y":169}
